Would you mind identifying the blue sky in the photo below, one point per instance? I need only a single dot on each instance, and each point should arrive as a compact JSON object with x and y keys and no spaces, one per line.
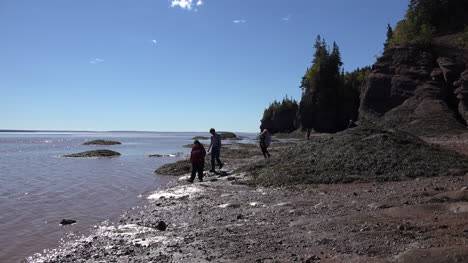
{"x":170,"y":65}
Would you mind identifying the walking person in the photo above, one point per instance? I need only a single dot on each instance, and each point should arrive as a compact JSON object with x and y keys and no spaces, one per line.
{"x":215,"y":147}
{"x":197,"y":158}
{"x":265,"y":140}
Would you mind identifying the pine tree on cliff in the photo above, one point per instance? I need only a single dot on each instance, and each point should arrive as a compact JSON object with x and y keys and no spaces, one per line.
{"x":389,"y":36}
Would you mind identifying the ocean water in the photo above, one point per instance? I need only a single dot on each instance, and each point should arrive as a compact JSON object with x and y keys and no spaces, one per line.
{"x":38,"y":188}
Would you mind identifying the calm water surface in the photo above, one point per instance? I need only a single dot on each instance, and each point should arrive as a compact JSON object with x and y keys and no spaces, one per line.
{"x":38,"y":188}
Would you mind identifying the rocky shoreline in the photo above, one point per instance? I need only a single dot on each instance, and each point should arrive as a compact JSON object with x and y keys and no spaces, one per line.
{"x":225,"y":220}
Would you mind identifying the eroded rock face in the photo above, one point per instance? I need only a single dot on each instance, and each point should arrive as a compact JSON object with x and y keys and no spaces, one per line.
{"x":462,"y":95}
{"x":412,"y":89}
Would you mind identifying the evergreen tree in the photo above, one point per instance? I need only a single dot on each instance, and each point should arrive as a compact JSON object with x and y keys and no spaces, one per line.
{"x":280,"y":116}
{"x":389,"y":36}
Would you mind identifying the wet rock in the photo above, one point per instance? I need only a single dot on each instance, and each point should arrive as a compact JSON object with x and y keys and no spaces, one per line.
{"x":67,"y":222}
{"x":95,"y":153}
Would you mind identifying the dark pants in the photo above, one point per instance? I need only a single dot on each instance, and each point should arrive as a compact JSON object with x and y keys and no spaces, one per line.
{"x":197,"y":168}
{"x":265,"y":152}
{"x":215,"y":156}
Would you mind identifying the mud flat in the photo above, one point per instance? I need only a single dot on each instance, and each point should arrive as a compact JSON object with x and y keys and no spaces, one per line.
{"x":226,"y":219}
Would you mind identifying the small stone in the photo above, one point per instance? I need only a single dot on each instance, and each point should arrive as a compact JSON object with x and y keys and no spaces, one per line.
{"x":161,"y":226}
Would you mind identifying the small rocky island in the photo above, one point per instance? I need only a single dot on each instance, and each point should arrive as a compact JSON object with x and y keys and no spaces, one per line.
{"x":101,"y":142}
{"x":95,"y":153}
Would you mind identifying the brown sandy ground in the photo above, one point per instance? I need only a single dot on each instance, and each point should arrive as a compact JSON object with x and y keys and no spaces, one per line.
{"x":224,"y":220}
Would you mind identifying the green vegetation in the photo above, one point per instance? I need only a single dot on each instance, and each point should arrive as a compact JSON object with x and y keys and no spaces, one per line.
{"x":330,"y":98}
{"x":389,"y":36}
{"x":425,"y":19}
{"x":280,"y":116}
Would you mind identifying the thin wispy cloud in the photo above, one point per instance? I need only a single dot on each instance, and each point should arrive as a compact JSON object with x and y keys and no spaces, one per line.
{"x":239,"y":21}
{"x":186,"y":4}
{"x":286,"y":18}
{"x":96,"y":61}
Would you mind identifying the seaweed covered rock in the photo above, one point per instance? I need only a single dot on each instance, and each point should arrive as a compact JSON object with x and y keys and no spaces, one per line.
{"x":101,"y":142}
{"x":175,"y":169}
{"x":359,"y":154}
{"x":96,"y":153}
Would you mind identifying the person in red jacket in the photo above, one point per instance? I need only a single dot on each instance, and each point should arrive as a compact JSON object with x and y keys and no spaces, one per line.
{"x":197,"y":158}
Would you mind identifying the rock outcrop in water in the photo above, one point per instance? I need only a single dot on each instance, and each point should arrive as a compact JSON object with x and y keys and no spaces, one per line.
{"x":228,"y":135}
{"x":96,"y":153}
{"x":415,"y":89}
{"x":101,"y":142}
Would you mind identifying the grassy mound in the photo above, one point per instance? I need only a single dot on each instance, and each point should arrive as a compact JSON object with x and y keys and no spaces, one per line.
{"x":101,"y":142}
{"x":359,"y":154}
{"x":96,"y":153}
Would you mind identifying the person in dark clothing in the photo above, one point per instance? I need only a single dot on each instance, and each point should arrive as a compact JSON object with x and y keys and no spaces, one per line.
{"x":215,"y":147}
{"x":197,"y":158}
{"x":265,"y":140}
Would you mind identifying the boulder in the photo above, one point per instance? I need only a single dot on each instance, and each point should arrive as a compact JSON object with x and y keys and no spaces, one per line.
{"x":95,"y":153}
